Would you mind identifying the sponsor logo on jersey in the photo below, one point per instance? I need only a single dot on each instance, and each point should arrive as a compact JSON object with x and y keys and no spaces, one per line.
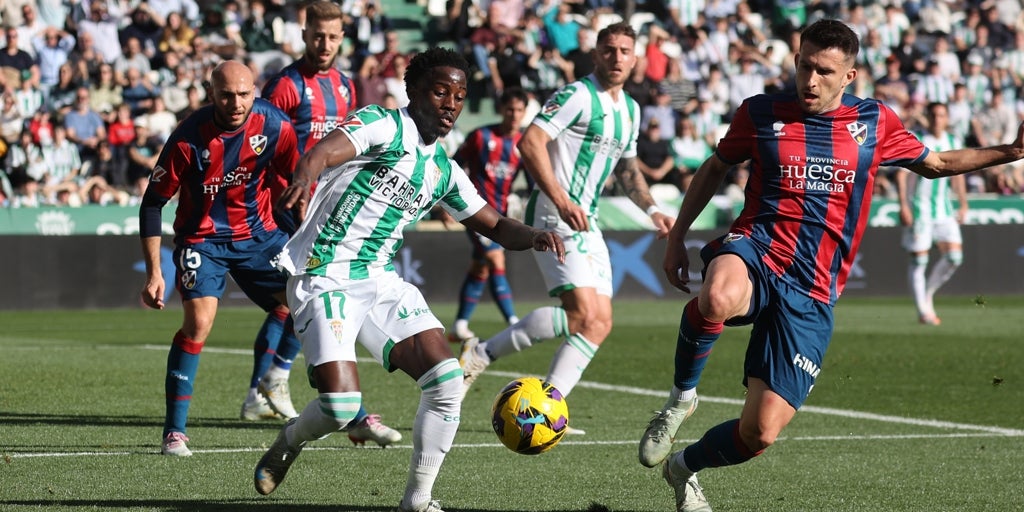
{"x":859,"y":132}
{"x":778,"y":128}
{"x":550,"y":107}
{"x":823,"y":174}
{"x":258,"y":143}
{"x":309,"y":94}
{"x":395,"y":189}
{"x":806,"y":365}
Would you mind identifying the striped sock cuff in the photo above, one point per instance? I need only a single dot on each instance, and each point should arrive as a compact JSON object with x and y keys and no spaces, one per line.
{"x":582,"y":344}
{"x":560,"y":322}
{"x":444,"y":371}
{"x":341,"y":406}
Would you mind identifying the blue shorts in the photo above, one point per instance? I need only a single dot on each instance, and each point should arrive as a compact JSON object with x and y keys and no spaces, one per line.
{"x":791,"y":331}
{"x":482,"y":245}
{"x":200,"y":269}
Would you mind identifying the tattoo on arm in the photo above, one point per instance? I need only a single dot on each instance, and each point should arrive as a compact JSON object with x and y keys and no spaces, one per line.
{"x":633,"y":183}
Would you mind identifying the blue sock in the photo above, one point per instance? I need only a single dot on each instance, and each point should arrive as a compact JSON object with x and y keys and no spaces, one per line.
{"x":360,"y":415}
{"x":697,"y":336}
{"x":502,"y":293}
{"x":289,"y":347}
{"x":267,"y":343}
{"x":720,"y":446}
{"x":469,"y":296}
{"x":182,"y":364}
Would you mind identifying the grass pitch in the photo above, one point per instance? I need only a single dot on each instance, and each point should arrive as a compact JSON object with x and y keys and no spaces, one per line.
{"x":904,"y":417}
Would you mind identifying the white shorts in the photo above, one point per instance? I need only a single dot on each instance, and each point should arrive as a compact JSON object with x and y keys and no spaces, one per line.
{"x":587,"y":262}
{"x":331,"y":315}
{"x":923,"y":234}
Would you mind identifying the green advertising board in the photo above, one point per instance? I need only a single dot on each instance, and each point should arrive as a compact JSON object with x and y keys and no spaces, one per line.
{"x":615,"y":213}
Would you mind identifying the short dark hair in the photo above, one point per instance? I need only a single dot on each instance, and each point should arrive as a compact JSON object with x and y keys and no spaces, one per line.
{"x":829,"y":33}
{"x":616,"y":29}
{"x":514,"y":93}
{"x":438,"y":57}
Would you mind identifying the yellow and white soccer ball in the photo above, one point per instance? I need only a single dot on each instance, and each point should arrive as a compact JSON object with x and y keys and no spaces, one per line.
{"x":530,"y":416}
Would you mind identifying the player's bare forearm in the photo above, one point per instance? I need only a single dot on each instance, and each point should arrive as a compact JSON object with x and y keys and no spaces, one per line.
{"x":512,"y":234}
{"x":705,"y":184}
{"x":627,"y":171}
{"x":960,"y":161}
{"x":153,"y":291}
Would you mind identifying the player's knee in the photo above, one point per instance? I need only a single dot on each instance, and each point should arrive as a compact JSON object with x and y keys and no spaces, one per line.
{"x":720,"y":305}
{"x":592,"y":323}
{"x":954,"y":257}
{"x":756,"y":437}
{"x":919,"y":259}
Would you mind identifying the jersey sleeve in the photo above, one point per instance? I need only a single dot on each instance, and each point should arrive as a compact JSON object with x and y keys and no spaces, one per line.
{"x":368,"y":127}
{"x":461,"y":200}
{"x":173,"y":162}
{"x":898,"y":146}
{"x":563,"y":108}
{"x":634,"y":119}
{"x":738,"y":143}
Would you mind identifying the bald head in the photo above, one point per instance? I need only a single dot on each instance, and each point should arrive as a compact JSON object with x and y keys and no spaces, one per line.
{"x":233,"y":91}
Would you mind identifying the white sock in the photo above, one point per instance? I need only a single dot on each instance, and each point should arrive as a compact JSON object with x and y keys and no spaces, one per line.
{"x":253,"y":395}
{"x":275,"y":373}
{"x":433,"y":432}
{"x":460,"y":324}
{"x":942,"y":271}
{"x":539,"y":325}
{"x":677,"y":396}
{"x":327,"y":413}
{"x":569,"y":362}
{"x":918,"y":264}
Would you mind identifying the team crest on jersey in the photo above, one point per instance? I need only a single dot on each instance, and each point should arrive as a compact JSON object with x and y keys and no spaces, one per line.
{"x":258,"y":143}
{"x":732,"y":237}
{"x":859,"y":132}
{"x":551,"y":107}
{"x":336,"y":327}
{"x":158,"y":174}
{"x":188,"y":279}
{"x":345,"y":93}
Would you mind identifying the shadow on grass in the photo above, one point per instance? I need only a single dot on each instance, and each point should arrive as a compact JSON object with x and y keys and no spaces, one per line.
{"x":242,"y":506}
{"x":86,"y":420}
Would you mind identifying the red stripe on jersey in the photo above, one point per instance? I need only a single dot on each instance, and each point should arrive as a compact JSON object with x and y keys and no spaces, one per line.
{"x":790,"y":207}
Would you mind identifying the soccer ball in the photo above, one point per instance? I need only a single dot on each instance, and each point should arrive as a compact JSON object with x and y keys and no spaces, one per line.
{"x":530,"y":416}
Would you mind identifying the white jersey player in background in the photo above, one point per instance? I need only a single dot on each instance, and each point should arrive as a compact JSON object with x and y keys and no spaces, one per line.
{"x":379,"y":172}
{"x":585,"y":131}
{"x":927,"y":211}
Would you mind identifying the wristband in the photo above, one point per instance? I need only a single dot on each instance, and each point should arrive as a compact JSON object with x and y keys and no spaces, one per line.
{"x":651,"y":210}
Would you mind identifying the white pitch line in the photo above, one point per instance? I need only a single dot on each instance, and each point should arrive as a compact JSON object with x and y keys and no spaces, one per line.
{"x":845,"y":413}
{"x":499,"y":445}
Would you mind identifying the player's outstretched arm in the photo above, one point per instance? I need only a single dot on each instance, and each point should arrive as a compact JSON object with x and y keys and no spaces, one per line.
{"x":512,"y":234}
{"x":960,"y":161}
{"x":332,"y":151}
{"x":534,"y":150}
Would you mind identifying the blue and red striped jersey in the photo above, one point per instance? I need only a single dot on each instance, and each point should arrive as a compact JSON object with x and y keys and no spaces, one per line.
{"x":808,"y":196}
{"x":316,"y":102}
{"x":224,"y":179}
{"x":492,"y":161}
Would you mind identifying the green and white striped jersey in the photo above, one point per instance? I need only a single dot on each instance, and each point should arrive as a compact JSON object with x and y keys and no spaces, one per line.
{"x":354,"y":223}
{"x":589,"y":132}
{"x":931,"y":199}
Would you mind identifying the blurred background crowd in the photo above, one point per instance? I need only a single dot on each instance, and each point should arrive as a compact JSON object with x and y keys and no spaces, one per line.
{"x":92,"y":88}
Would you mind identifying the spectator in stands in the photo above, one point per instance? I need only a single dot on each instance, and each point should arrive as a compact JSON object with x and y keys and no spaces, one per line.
{"x":120,"y":136}
{"x":139,"y":92}
{"x":682,"y":90}
{"x":41,"y":127}
{"x":654,"y":157}
{"x":195,"y":96}
{"x":705,"y":120}
{"x":580,"y":57}
{"x":133,"y":58}
{"x":372,"y":34}
{"x":164,"y":9}
{"x":371,"y":85}
{"x":160,"y":121}
{"x":62,"y":94}
{"x":177,"y":35}
{"x":16,"y":64}
{"x":26,"y":168}
{"x":105,"y":94}
{"x":257,"y":33}
{"x":147,"y":28}
{"x":12,"y":122}
{"x":639,"y":86}
{"x":550,"y":69}
{"x":142,"y":156}
{"x":661,"y":113}
{"x":86,"y":59}
{"x":292,"y":42}
{"x":85,"y":127}
{"x":386,"y":57}
{"x":64,"y":167}
{"x":29,"y":26}
{"x":560,"y":26}
{"x":933,"y":87}
{"x":103,"y":28}
{"x":688,"y":150}
{"x":52,"y":49}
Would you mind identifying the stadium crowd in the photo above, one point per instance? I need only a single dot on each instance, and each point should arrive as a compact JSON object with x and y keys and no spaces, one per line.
{"x":90,"y":89}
